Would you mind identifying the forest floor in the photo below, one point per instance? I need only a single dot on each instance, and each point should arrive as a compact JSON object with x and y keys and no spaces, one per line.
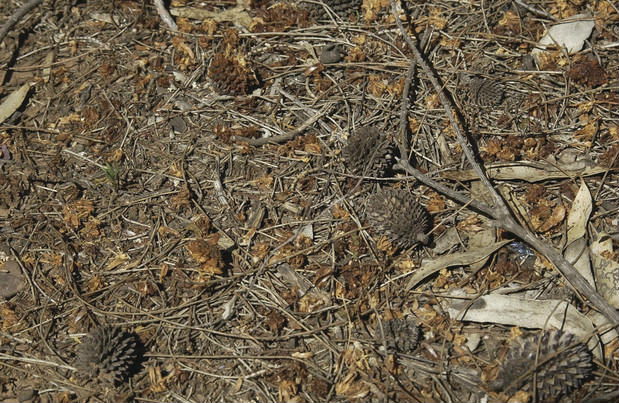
{"x":191,"y":189}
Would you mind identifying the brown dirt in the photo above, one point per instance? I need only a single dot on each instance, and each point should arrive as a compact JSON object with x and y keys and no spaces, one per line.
{"x":133,"y":196}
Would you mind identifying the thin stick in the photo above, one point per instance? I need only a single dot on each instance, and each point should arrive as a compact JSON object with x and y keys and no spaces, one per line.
{"x":452,"y":194}
{"x":501,"y":213}
{"x":17,"y":15}
{"x":281,"y":138}
{"x":165,"y":15}
{"x":534,"y":10}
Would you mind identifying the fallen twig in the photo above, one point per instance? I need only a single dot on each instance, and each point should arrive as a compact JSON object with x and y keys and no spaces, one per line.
{"x":534,"y":10}
{"x":281,"y":138}
{"x":165,"y":16}
{"x":13,"y":19}
{"x":501,"y":213}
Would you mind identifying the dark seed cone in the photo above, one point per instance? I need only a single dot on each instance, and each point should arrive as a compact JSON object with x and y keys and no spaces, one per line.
{"x":485,"y":92}
{"x":368,"y":153}
{"x":107,"y":352}
{"x":562,"y":366}
{"x":342,"y":8}
{"x":396,"y":214}
{"x":232,"y":75}
{"x":400,"y":334}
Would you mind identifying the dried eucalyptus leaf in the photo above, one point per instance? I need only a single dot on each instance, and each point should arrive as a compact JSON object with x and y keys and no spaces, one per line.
{"x":455,"y":259}
{"x":13,"y":102}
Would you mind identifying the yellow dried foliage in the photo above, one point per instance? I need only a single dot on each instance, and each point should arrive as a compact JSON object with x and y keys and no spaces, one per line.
{"x":116,"y":261}
{"x":310,"y":302}
{"x":95,"y":283}
{"x":605,"y":15}
{"x":355,"y":55}
{"x":9,"y":317}
{"x":340,"y":212}
{"x":432,"y":101}
{"x":77,"y":211}
{"x":373,"y":7}
{"x":520,"y":396}
{"x":586,"y":134}
{"x":510,"y":20}
{"x":383,"y":244}
{"x":287,"y":391}
{"x":471,"y":223}
{"x":436,"y":204}
{"x":53,"y":259}
{"x":359,"y":39}
{"x":207,"y":255}
{"x":260,"y":250}
{"x":377,"y":85}
{"x":91,"y":229}
{"x":264,"y":183}
{"x":157,"y":381}
{"x":437,"y":19}
{"x":406,"y":265}
{"x":185,"y":56}
{"x":352,"y":387}
{"x":450,"y":43}
{"x":115,"y":156}
{"x":546,"y":215}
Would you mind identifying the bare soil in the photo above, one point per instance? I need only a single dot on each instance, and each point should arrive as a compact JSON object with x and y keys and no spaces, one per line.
{"x":189,"y":188}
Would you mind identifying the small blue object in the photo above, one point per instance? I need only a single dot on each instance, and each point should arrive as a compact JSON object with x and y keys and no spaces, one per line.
{"x":522,"y":249}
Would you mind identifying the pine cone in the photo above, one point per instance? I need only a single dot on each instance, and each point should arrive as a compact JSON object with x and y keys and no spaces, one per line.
{"x":560,"y":368}
{"x":232,"y":75}
{"x":485,"y":92}
{"x":108,"y":352}
{"x":396,"y":214}
{"x":400,"y":334}
{"x":342,"y":8}
{"x":368,"y":153}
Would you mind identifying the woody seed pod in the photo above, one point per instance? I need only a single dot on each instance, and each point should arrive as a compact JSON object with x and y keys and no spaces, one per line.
{"x":396,"y":214}
{"x":400,"y":334}
{"x":107,"y":352}
{"x":562,"y":366}
{"x":368,"y":153}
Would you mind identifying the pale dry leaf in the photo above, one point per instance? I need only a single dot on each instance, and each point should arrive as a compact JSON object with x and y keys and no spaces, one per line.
{"x":579,"y":214}
{"x":13,"y":102}
{"x":516,"y":311}
{"x":47,"y":70}
{"x":236,"y":14}
{"x":487,"y":235}
{"x":577,"y":251}
{"x":606,"y":268}
{"x":526,"y":171}
{"x":455,"y":259}
{"x":570,"y":34}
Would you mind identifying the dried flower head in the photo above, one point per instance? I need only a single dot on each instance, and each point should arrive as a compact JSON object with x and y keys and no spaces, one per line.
{"x":400,"y":334}
{"x":396,"y":214}
{"x":563,"y":365}
{"x":368,"y":153}
{"x":342,"y":8}
{"x":232,"y":75}
{"x":107,"y":352}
